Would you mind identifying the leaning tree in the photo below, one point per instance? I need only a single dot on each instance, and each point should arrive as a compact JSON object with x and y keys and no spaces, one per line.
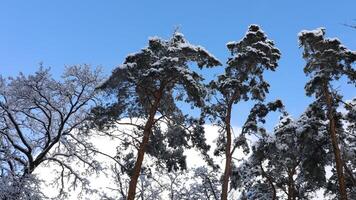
{"x":40,"y":121}
{"x":143,"y":93}
{"x":327,"y":60}
{"x":243,"y":80}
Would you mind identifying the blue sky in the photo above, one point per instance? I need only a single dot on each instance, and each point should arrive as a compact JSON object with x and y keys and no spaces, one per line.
{"x":102,"y":33}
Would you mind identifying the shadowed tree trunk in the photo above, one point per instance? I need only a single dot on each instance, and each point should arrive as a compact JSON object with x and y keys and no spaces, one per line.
{"x":270,"y":181}
{"x":291,"y":188}
{"x":349,"y":172}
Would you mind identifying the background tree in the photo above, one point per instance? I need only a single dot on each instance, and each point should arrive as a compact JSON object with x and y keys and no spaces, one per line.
{"x":242,"y":80}
{"x":40,"y":122}
{"x":327,"y":61}
{"x":145,"y":90}
{"x":194,"y":183}
{"x":205,"y":184}
{"x":290,"y":162}
{"x":349,"y":146}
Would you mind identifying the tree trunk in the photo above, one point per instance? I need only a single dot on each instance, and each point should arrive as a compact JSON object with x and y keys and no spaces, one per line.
{"x":335,"y":144}
{"x":211,"y":187}
{"x":228,"y":156}
{"x":270,"y":181}
{"x":142,"y":149}
{"x":291,"y":186}
{"x":349,"y":172}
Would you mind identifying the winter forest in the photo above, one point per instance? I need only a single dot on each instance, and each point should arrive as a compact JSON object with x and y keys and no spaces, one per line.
{"x":160,"y":125}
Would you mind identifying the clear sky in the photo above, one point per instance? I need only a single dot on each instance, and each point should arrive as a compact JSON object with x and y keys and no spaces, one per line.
{"x":102,"y":33}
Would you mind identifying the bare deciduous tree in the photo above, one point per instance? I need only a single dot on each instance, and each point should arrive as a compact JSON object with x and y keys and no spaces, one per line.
{"x":40,"y":122}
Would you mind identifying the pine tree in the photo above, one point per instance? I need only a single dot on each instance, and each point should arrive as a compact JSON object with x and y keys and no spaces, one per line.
{"x":290,"y":162}
{"x":349,"y":146}
{"x":242,"y":80}
{"x":347,"y":137}
{"x":327,"y":61}
{"x":146,"y":87}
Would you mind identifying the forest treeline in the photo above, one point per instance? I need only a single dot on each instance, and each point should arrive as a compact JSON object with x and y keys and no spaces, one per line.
{"x":46,"y":121}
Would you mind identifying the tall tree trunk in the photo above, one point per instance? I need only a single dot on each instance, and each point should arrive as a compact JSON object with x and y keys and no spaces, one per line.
{"x":142,"y":149}
{"x":228,"y":156}
{"x":335,"y":144}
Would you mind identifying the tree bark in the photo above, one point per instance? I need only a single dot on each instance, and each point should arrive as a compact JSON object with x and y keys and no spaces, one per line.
{"x":335,"y":144}
{"x":269,"y":179}
{"x":228,"y":156}
{"x":211,"y":187}
{"x":291,"y":188}
{"x":142,"y":149}
{"x":349,"y":172}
